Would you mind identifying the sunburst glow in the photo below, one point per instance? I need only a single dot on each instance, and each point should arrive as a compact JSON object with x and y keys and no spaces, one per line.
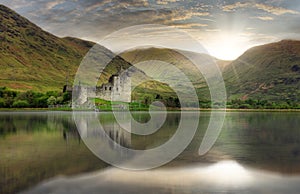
{"x":227,"y":46}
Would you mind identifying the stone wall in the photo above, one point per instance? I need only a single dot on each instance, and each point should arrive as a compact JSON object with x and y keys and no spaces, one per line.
{"x":117,"y":89}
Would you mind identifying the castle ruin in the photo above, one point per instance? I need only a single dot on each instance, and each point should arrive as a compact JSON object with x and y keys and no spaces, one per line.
{"x":118,"y":89}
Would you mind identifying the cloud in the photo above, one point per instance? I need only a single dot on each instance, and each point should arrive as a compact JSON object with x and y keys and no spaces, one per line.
{"x":233,"y":7}
{"x":116,"y":5}
{"x":275,"y":10}
{"x":212,"y":30}
{"x":165,"y":2}
{"x":97,"y":5}
{"x":52,"y":4}
{"x":267,"y":8}
{"x":94,"y":19}
{"x":182,"y":15}
{"x":190,"y":25}
{"x":264,"y":18}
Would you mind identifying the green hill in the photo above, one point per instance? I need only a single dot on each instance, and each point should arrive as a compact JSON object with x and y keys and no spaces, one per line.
{"x":34,"y":59}
{"x":178,"y":59}
{"x":268,"y":72}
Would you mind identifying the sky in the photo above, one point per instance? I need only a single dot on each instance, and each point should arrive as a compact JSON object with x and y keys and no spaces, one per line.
{"x":226,"y":28}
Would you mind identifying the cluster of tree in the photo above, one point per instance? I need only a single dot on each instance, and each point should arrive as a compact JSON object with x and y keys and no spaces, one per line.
{"x":31,"y":99}
{"x":168,"y":101}
{"x":262,"y":104}
{"x":235,"y":103}
{"x":248,"y":104}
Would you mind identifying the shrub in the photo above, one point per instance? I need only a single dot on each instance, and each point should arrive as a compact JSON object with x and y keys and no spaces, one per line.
{"x":51,"y":100}
{"x":20,"y":104}
{"x":67,"y":97}
{"x":2,"y":103}
{"x":245,"y":106}
{"x":41,"y":102}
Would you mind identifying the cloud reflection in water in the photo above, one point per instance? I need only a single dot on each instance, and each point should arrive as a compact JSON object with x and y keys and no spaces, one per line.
{"x":221,"y":177}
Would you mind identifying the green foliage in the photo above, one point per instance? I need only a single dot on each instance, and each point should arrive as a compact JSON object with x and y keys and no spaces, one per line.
{"x":148,"y":99}
{"x":205,"y":104}
{"x":20,"y":104}
{"x":59,"y":100}
{"x":51,"y":100}
{"x":67,"y":96}
{"x":172,"y":102}
{"x":261,"y":104}
{"x":41,"y":102}
{"x":2,"y":103}
{"x":7,"y":96}
{"x":31,"y":99}
{"x":52,"y":93}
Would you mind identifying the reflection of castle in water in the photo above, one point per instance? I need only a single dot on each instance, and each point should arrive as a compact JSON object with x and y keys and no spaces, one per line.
{"x":109,"y":130}
{"x":85,"y":128}
{"x":118,"y":135}
{"x":118,"y":88}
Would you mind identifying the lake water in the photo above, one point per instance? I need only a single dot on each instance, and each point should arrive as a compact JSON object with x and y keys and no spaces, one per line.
{"x":256,"y":152}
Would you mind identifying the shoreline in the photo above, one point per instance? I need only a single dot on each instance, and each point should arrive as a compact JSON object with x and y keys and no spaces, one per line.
{"x":169,"y":110}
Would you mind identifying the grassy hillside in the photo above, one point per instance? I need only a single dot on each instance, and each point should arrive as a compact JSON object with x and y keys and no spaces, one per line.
{"x":33,"y":59}
{"x":180,"y":61}
{"x":268,"y":72}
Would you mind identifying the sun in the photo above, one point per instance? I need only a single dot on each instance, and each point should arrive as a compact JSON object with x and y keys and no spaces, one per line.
{"x":227,"y":46}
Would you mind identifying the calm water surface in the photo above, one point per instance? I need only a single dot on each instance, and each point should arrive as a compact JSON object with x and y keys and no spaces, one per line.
{"x":256,"y":152}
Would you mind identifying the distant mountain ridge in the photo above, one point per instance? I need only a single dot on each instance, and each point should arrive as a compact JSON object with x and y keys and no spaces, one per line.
{"x":181,"y":60}
{"x":267,"y":72}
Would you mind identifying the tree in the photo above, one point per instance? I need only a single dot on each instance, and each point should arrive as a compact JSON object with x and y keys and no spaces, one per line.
{"x":28,"y":96}
{"x":2,"y":103}
{"x":148,"y":99}
{"x":8,"y":101}
{"x":67,"y":97}
{"x":59,"y":100}
{"x":52,"y":93}
{"x":20,"y":104}
{"x":158,"y":96}
{"x":51,"y":100}
{"x":41,"y":102}
{"x":177,"y":102}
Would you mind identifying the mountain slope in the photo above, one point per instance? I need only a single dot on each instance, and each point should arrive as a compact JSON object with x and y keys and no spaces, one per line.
{"x":269,"y":72}
{"x":151,"y":57}
{"x":33,"y":59}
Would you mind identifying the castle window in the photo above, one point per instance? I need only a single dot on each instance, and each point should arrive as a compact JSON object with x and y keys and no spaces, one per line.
{"x":110,"y":88}
{"x":105,"y":88}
